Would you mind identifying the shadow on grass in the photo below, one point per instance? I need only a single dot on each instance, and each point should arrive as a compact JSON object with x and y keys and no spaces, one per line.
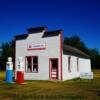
{"x":47,"y":97}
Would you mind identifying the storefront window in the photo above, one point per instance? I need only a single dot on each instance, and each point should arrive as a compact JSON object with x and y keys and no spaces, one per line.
{"x":32,"y":64}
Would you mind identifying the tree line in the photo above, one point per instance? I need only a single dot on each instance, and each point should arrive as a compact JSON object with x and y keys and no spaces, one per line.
{"x":7,"y":50}
{"x":94,"y":54}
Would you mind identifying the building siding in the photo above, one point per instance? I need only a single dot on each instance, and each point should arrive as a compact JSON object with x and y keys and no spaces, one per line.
{"x":52,"y":51}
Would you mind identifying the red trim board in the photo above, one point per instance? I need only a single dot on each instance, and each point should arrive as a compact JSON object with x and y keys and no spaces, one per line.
{"x":61,"y":55}
{"x":37,"y":49}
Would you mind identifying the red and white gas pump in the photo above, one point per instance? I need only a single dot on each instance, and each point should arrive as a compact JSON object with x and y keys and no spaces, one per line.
{"x":20,"y":71}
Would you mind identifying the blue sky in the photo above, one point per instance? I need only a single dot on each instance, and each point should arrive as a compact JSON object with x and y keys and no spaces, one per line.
{"x":75,"y":17}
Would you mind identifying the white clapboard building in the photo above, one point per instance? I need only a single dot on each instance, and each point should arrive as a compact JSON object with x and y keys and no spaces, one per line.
{"x":45,"y":57}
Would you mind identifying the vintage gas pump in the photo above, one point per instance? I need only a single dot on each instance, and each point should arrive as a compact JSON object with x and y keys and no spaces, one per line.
{"x":9,"y":70}
{"x":20,"y":71}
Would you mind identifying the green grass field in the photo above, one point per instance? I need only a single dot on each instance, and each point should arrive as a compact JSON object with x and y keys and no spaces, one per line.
{"x":75,"y":89}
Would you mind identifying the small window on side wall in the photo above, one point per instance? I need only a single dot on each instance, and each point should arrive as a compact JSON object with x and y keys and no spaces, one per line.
{"x":69,"y":63}
{"x":77,"y":64}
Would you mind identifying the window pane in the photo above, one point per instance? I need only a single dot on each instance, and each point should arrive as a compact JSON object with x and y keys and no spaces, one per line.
{"x":35,"y":68}
{"x":54,"y":64}
{"x":29,"y":64}
{"x":35,"y":64}
{"x":35,"y":60}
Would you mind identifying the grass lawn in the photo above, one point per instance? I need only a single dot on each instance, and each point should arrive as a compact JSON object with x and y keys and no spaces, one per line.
{"x":52,"y":90}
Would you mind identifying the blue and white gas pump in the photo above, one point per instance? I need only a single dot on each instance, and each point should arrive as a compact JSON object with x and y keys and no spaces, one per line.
{"x":9,"y":70}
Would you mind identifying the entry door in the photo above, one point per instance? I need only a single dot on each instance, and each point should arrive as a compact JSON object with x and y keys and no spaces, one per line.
{"x":53,"y":68}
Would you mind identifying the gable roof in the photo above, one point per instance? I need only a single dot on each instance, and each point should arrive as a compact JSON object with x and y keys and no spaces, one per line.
{"x":51,"y":33}
{"x":75,"y":51}
{"x":30,"y":31}
{"x":36,"y":29}
{"x":20,"y":37}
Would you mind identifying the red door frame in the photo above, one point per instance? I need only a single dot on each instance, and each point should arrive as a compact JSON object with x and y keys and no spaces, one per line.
{"x":50,"y":68}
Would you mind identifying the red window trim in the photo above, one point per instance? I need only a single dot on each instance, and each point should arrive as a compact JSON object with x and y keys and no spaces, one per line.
{"x":37,"y":64}
{"x":61,"y":46}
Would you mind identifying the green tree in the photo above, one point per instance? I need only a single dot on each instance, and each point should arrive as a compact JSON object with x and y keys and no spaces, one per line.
{"x":95,"y":58}
{"x":75,"y":41}
{"x":7,"y":51}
